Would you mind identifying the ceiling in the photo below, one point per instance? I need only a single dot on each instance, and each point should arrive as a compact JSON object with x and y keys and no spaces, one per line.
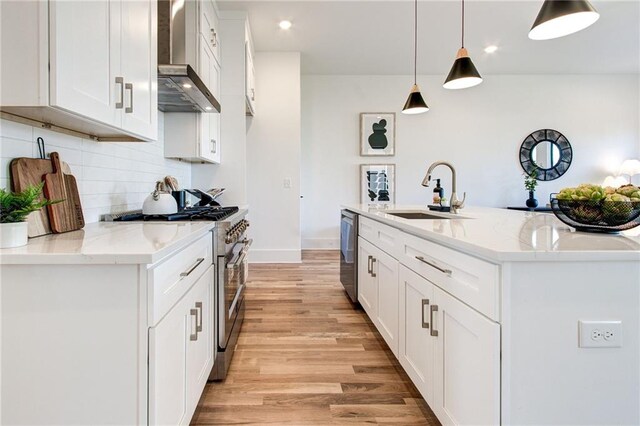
{"x":376,"y":37}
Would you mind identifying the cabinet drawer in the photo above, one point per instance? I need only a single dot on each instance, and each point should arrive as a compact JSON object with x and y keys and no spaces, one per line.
{"x":383,"y":236}
{"x":473,"y":281}
{"x":173,"y":277}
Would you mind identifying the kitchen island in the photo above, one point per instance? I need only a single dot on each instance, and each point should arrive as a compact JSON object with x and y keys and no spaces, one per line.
{"x":506,"y":317}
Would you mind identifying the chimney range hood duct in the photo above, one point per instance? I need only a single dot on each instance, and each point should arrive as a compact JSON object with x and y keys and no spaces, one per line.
{"x":180,"y":89}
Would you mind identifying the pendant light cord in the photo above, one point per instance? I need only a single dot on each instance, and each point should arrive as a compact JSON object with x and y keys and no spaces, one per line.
{"x":462,"y":23}
{"x":415,"y":43}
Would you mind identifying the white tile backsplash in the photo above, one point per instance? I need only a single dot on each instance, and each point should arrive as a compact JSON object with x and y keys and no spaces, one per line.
{"x":112,"y":176}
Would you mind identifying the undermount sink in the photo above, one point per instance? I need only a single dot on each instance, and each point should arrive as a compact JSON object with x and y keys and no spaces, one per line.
{"x":417,"y":215}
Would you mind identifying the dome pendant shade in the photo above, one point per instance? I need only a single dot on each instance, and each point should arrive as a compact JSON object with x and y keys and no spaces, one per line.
{"x":415,"y":102}
{"x":463,"y":73}
{"x":558,"y":18}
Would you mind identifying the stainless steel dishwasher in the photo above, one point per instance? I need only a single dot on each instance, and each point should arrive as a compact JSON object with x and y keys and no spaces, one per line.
{"x":349,"y":253}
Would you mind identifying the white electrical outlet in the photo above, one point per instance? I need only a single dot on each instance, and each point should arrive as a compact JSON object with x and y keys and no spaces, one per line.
{"x":600,"y":334}
{"x":287,"y":183}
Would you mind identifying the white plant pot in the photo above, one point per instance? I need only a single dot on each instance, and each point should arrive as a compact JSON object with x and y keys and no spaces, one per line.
{"x":13,"y":234}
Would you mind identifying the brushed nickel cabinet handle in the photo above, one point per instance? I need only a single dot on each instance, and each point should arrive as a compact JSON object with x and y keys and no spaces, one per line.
{"x":369,"y":264}
{"x":120,"y":81}
{"x":373,"y":261}
{"x":425,"y":302}
{"x":214,"y":38}
{"x":129,"y":87}
{"x":433,"y":265}
{"x":214,"y":146}
{"x":199,"y":318}
{"x":253,"y":94}
{"x":432,"y":309}
{"x":190,"y":270}
{"x":194,"y":336}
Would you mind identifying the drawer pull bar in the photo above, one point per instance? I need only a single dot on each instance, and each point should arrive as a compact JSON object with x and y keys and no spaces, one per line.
{"x":199,"y":318}
{"x":433,"y":265}
{"x":432,"y":309}
{"x":425,"y":302}
{"x":194,"y":313}
{"x":190,"y":270}
{"x":369,"y":264}
{"x":373,"y":260}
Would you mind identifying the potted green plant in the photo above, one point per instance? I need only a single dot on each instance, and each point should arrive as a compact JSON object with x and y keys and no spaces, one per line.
{"x":530,"y":184}
{"x":14,"y":209}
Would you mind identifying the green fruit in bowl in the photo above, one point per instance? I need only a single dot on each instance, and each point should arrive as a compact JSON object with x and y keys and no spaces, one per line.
{"x":617,"y":209}
{"x":628,"y":190}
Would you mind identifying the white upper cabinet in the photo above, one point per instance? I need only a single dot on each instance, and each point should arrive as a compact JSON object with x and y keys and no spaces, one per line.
{"x":209,"y":29}
{"x":85,"y":61}
{"x":93,"y":64}
{"x":138,"y":50}
{"x":191,"y":136}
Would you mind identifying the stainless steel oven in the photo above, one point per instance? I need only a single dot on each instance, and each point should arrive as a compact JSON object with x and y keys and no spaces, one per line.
{"x":231,"y":247}
{"x":349,"y":253}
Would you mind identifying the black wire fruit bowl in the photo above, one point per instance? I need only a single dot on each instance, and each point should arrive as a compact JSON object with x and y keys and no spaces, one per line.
{"x":597,"y":216}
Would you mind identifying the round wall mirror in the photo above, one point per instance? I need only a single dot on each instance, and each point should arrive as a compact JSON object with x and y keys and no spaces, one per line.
{"x":547,"y":153}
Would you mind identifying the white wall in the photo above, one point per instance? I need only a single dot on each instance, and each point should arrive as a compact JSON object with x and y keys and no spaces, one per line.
{"x":479,"y":130}
{"x":112,"y":177}
{"x":273,"y":156}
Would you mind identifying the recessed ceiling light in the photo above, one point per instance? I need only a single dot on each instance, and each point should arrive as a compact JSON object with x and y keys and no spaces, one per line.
{"x":491,"y":49}
{"x":285,"y":25}
{"x":208,"y":108}
{"x":186,"y":86}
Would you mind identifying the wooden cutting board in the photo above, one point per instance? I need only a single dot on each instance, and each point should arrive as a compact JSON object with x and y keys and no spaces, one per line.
{"x":30,"y":171}
{"x":67,"y":215}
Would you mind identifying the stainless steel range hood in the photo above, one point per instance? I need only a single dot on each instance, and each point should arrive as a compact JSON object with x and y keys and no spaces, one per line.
{"x":180,"y":89}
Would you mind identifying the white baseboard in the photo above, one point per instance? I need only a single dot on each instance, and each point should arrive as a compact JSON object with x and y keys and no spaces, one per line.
{"x":275,"y":256}
{"x":321,"y":244}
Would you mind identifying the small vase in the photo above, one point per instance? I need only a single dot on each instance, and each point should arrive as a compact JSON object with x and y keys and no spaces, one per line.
{"x":532,"y":203}
{"x":13,"y":234}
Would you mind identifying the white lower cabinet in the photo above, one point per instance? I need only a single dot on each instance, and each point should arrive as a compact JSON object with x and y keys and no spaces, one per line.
{"x":386,"y":271}
{"x":124,"y":343}
{"x":416,"y":343}
{"x":450,"y":351}
{"x":167,"y":368}
{"x":181,"y":356}
{"x":367,"y":284}
{"x":378,"y":290}
{"x":466,"y":363}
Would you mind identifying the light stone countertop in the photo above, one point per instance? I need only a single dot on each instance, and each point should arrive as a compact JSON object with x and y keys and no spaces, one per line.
{"x":501,"y":235}
{"x":108,"y":243}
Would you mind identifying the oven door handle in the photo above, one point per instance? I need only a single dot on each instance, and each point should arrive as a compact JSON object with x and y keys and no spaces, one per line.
{"x":241,"y":255}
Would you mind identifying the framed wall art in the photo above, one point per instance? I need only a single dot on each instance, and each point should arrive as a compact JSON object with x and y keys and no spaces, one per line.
{"x":377,"y":133}
{"x":377,"y":183}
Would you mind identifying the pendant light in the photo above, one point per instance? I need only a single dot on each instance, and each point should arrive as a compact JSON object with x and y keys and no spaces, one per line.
{"x":415,"y":102}
{"x":463,"y":73}
{"x":558,"y":18}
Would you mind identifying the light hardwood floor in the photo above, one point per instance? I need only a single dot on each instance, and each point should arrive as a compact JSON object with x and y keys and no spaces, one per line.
{"x":306,"y":357}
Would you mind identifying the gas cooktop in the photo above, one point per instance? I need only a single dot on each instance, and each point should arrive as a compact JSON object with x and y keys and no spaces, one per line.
{"x":210,"y":213}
